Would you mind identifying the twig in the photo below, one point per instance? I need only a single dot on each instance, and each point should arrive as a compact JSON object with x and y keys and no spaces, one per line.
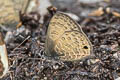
{"x":21,"y":43}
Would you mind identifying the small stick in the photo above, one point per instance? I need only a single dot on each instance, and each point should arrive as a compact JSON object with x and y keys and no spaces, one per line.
{"x":21,"y":43}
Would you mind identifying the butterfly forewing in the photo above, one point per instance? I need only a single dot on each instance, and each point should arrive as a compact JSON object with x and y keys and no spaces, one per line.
{"x":66,"y":39}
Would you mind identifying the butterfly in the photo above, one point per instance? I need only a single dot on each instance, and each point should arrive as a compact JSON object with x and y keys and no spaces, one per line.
{"x":66,"y":40}
{"x":3,"y":58}
{"x":10,"y":11}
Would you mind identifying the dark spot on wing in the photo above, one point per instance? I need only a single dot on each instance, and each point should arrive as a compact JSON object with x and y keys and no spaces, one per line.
{"x":85,"y":47}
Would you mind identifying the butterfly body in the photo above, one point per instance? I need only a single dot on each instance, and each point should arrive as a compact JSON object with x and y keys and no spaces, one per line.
{"x":65,"y":39}
{"x":3,"y":57}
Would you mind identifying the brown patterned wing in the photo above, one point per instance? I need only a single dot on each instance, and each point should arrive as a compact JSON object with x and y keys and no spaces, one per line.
{"x":9,"y":11}
{"x":66,"y":40}
{"x":3,"y":57}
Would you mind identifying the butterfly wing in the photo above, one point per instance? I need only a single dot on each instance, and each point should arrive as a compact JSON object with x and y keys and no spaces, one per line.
{"x":9,"y":11}
{"x":65,"y":39}
{"x":3,"y":57}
